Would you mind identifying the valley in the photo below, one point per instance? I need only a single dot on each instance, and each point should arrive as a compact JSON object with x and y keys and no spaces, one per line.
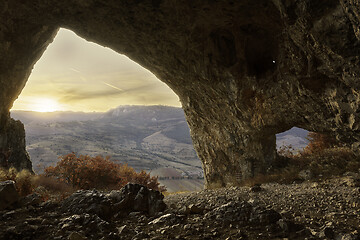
{"x":153,"y":138}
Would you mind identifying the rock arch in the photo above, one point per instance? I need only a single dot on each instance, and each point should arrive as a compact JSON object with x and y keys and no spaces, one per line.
{"x":243,"y":70}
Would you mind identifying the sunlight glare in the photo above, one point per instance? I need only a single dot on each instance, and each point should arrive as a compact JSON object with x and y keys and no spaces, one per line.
{"x":45,"y":105}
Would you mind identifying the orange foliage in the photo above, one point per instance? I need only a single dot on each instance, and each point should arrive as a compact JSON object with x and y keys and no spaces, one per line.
{"x":319,"y":142}
{"x":323,"y":156}
{"x":144,"y":178}
{"x":87,"y":172}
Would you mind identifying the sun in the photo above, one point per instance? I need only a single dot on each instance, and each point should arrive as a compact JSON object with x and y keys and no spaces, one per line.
{"x":45,"y":105}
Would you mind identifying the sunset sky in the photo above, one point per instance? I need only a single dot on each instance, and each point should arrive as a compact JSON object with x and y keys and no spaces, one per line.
{"x":76,"y":75}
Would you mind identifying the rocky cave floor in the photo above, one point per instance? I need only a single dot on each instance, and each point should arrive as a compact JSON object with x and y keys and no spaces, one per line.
{"x":328,"y":209}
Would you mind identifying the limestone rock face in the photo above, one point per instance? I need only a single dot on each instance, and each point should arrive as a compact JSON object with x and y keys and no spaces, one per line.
{"x":12,"y":146}
{"x":16,"y":145}
{"x":243,"y":70}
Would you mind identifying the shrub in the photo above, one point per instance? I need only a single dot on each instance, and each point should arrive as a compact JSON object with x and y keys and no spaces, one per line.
{"x":318,"y":142}
{"x":52,"y":184}
{"x":323,"y":156}
{"x":24,"y":180}
{"x":333,"y":161}
{"x":87,"y":172}
{"x":52,"y":188}
{"x":146,"y":180}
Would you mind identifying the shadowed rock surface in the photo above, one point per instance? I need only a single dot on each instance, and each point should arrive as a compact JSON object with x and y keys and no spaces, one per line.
{"x":243,"y":70}
{"x":310,"y":210}
{"x":131,"y":198}
{"x":8,"y":194}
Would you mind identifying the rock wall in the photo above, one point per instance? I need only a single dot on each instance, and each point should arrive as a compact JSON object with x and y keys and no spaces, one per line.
{"x":21,"y":45}
{"x":243,"y":70}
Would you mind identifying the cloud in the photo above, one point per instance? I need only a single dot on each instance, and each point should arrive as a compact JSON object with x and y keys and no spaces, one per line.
{"x":74,"y":70}
{"x":75,"y":94}
{"x":112,"y":86}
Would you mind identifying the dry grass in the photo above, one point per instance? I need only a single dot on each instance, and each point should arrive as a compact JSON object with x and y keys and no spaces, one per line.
{"x":53,"y":185}
{"x":283,"y":176}
{"x":331,"y":162}
{"x":27,"y":183}
{"x":23,"y":180}
{"x":75,"y":173}
{"x":323,"y":156}
{"x":322,"y":163}
{"x":52,"y":189}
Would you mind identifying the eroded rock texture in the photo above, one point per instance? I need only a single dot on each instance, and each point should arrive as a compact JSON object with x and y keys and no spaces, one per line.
{"x":244,"y":70}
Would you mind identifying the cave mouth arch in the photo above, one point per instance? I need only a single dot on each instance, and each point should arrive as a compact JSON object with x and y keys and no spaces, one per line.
{"x":73,"y":70}
{"x":78,"y":75}
{"x":185,"y":45}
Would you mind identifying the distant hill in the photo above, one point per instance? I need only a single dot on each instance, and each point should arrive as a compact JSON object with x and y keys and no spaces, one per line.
{"x":46,"y":117}
{"x":144,"y":137}
{"x":296,"y":137}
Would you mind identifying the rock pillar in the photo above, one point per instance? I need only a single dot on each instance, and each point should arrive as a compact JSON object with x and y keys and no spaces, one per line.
{"x":21,"y":45}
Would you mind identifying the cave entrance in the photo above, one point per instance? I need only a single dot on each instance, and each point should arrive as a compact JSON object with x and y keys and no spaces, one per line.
{"x":294,"y":137}
{"x":88,"y":99}
{"x":76,"y":75}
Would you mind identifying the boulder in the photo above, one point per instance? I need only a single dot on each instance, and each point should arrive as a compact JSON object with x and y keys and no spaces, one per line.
{"x":88,"y":201}
{"x":31,"y":200}
{"x":194,"y":209}
{"x":265,"y":216}
{"x":135,"y":197}
{"x":76,"y":236}
{"x":131,"y":198}
{"x":306,"y":175}
{"x":289,"y":226}
{"x":327,"y":232}
{"x":256,"y":188}
{"x":8,"y":194}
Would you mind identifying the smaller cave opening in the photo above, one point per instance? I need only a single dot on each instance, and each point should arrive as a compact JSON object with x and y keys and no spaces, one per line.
{"x":307,"y":156}
{"x":294,"y":137}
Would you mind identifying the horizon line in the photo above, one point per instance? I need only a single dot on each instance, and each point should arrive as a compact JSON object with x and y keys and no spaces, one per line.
{"x":127,"y":105}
